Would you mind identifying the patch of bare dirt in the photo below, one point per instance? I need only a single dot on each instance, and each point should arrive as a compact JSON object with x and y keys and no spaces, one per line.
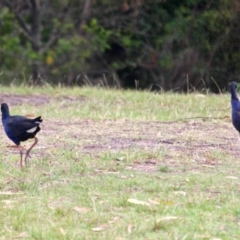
{"x":15,"y":99}
{"x":180,"y":144}
{"x":24,"y":99}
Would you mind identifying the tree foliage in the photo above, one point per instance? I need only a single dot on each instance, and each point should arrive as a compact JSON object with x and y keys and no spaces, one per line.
{"x":179,"y":45}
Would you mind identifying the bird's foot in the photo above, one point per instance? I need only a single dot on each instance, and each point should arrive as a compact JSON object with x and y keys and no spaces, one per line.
{"x":27,"y":156}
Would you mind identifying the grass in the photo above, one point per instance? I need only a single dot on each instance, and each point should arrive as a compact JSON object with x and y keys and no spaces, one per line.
{"x":114,"y":164}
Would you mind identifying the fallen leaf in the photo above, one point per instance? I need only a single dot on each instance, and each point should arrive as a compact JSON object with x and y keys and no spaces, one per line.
{"x":106,"y":171}
{"x":99,"y":228}
{"x":138,"y":202}
{"x":8,"y":202}
{"x":10,"y":193}
{"x":130,"y":227}
{"x":153,"y":202}
{"x":180,"y":193}
{"x":57,"y":137}
{"x":231,"y":177}
{"x":62,"y":231}
{"x":207,"y":166}
{"x":168,"y":218}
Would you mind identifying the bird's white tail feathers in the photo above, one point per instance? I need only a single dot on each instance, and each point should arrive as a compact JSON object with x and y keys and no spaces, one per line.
{"x":31,"y":130}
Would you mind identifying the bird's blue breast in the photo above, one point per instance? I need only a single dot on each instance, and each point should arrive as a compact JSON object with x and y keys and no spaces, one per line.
{"x":236,"y":114}
{"x":235,"y":105}
{"x":9,"y":133}
{"x":11,"y":136}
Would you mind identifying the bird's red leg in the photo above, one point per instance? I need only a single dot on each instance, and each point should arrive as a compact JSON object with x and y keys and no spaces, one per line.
{"x":21,"y":149}
{"x":28,"y":151}
{"x":21,"y":156}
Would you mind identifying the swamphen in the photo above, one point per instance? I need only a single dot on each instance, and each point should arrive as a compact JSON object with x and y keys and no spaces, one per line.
{"x":20,"y":129}
{"x":235,"y":106}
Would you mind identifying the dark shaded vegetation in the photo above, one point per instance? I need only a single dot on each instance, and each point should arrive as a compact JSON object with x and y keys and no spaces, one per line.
{"x":174,"y":45}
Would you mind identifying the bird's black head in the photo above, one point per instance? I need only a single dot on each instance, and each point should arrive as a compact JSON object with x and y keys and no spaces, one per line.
{"x":233,"y":85}
{"x":4,"y":109}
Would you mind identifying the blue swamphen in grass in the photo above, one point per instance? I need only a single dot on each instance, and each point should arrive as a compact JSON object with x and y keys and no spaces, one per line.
{"x":20,"y":129}
{"x":235,"y":106}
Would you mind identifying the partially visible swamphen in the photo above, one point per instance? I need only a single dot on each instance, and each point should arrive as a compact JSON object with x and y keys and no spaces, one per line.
{"x":235,"y":106}
{"x":20,"y":129}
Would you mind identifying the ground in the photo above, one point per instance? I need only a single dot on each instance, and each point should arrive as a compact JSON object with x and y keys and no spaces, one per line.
{"x":194,"y":138}
{"x":136,"y":176}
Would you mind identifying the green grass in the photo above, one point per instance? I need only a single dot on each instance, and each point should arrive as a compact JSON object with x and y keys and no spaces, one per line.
{"x":114,"y":164}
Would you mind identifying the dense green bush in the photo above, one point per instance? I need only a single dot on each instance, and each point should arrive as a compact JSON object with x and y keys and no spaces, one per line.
{"x":178,"y":45}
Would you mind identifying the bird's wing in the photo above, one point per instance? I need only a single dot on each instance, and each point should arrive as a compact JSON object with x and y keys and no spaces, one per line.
{"x":18,"y":125}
